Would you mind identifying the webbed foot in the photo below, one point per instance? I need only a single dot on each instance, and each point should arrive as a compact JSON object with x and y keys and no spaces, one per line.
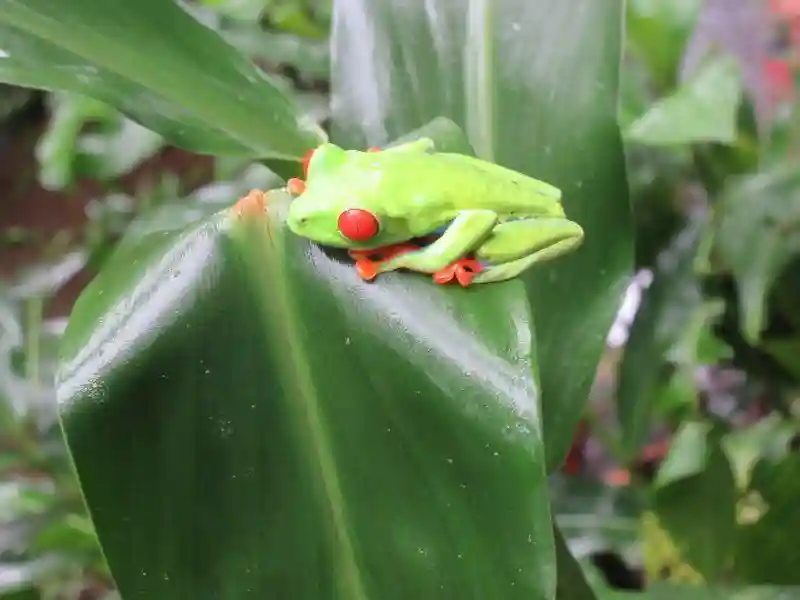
{"x":463,"y":271}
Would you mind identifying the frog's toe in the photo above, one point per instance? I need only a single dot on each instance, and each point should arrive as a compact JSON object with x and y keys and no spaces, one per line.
{"x":296,"y":186}
{"x":445,"y":275}
{"x":466,"y":270}
{"x":366,"y":269}
{"x":463,"y":271}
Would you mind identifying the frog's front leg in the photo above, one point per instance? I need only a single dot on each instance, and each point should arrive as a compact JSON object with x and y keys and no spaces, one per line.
{"x":467,"y":231}
{"x":515,"y":246}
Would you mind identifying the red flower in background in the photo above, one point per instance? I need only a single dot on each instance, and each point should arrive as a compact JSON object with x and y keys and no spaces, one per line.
{"x":779,"y":79}
{"x":786,"y":7}
{"x":778,"y":75}
{"x":789,"y":12}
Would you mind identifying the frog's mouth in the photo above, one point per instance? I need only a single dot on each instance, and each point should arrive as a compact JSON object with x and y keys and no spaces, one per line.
{"x":313,"y":229}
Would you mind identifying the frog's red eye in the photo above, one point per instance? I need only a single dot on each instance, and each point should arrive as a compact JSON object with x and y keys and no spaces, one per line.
{"x":307,"y":161}
{"x":358,"y":225}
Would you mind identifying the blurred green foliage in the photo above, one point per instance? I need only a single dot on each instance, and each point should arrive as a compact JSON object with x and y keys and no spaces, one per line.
{"x":712,"y":355}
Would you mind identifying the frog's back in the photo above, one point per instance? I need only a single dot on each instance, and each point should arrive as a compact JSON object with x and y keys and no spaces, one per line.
{"x":458,"y":182}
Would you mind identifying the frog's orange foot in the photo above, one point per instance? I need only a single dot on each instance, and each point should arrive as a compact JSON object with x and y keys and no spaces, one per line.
{"x":463,"y":271}
{"x":296,"y":186}
{"x":367,"y":269}
{"x":254,"y":203}
{"x":373,"y":149}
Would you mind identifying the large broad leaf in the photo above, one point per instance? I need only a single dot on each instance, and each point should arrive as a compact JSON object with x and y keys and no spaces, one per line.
{"x":534,"y":85}
{"x":249,"y":418}
{"x":159,"y":65}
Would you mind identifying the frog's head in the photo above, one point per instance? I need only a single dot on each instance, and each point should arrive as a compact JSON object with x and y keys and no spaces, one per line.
{"x":342,"y":205}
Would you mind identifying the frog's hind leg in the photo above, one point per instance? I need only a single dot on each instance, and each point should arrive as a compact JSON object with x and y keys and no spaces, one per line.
{"x":464,"y":233}
{"x":504,"y":271}
{"x":515,"y":246}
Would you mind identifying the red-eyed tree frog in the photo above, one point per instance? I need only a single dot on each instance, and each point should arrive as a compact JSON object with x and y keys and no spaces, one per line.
{"x":409,"y":207}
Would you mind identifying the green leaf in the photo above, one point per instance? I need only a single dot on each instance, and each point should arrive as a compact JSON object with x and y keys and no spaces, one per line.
{"x":758,"y":236}
{"x":666,"y":311}
{"x":699,"y":345}
{"x":695,"y":499}
{"x":28,"y":593}
{"x":64,"y":149}
{"x":300,"y":433}
{"x":704,"y":109}
{"x":163,"y":69}
{"x":534,"y":85}
{"x":767,"y":552}
{"x":72,"y":535}
{"x":688,"y":454}
{"x":740,"y":30}
{"x":766,"y":438}
{"x":658,"y":31}
{"x":56,"y":149}
{"x":298,"y":17}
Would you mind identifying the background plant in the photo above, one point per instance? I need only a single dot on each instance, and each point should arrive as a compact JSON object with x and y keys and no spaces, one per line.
{"x":683,"y":469}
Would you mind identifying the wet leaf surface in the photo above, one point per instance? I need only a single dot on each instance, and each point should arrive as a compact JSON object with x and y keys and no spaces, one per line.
{"x":534,"y":86}
{"x":300,"y":432}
